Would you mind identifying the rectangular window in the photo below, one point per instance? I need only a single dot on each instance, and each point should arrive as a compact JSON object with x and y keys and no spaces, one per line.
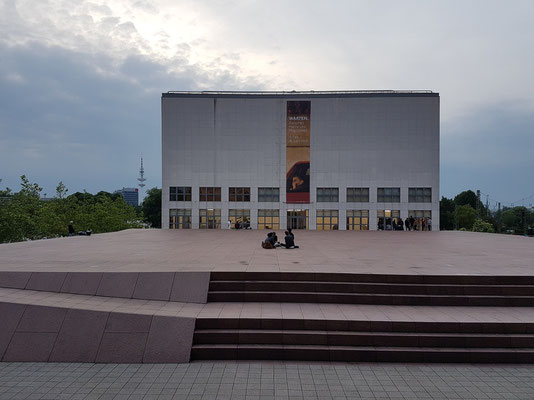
{"x":179,"y":218}
{"x":387,"y":219}
{"x":210,"y":218}
{"x":327,"y":220}
{"x":388,"y":195}
{"x":269,"y":219}
{"x":210,"y":194}
{"x":239,"y":194}
{"x":357,"y":220}
{"x":327,"y":195}
{"x":269,"y":194}
{"x":241,"y":216}
{"x":357,"y":195}
{"x":422,"y":220}
{"x":420,"y":195}
{"x":180,"y":193}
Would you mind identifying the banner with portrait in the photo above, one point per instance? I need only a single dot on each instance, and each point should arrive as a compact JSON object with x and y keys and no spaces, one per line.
{"x":298,"y":151}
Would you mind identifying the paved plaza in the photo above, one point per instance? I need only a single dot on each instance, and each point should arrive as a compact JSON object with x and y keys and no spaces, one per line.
{"x":230,"y":250}
{"x":264,"y":380}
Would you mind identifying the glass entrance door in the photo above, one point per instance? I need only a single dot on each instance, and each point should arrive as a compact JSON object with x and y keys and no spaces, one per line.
{"x":297,"y":219}
{"x":387,"y":220}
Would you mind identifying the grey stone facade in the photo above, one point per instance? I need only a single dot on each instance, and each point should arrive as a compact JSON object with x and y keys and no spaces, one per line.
{"x":358,"y":139}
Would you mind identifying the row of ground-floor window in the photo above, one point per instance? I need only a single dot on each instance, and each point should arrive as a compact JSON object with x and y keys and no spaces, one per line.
{"x":356,"y":220}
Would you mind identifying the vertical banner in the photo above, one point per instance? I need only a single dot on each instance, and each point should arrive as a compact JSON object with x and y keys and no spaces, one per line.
{"x":298,"y":151}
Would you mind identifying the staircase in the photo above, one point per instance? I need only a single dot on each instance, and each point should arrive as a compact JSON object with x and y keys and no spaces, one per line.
{"x":434,"y":290}
{"x":372,"y":340}
{"x":358,"y":341}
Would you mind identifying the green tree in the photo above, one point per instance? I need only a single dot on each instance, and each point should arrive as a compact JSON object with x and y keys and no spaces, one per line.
{"x":152,"y":207}
{"x":24,"y":216}
{"x":517,"y":219}
{"x":466,"y":216}
{"x":482,"y":226}
{"x":466,"y":197}
{"x":61,"y":190}
{"x":447,"y":214}
{"x":5,"y":192}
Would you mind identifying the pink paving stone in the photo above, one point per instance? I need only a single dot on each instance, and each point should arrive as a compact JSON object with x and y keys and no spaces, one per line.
{"x":154,"y":286}
{"x":41,"y":319}
{"x":46,"y":281}
{"x":122,"y":347}
{"x":117,"y":284}
{"x":190,"y":287}
{"x":16,"y":280}
{"x":169,"y":340}
{"x":340,"y":251}
{"x":10,"y":317}
{"x":128,"y":323}
{"x":30,"y":346}
{"x":81,"y":282}
{"x":80,"y":336}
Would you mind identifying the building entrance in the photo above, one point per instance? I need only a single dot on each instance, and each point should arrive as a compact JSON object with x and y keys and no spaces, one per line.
{"x":387,"y":220}
{"x":297,"y":219}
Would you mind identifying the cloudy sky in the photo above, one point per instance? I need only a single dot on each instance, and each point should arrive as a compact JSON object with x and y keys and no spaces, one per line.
{"x":80,"y":81}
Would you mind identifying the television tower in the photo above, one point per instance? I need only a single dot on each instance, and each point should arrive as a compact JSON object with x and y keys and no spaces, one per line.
{"x":141,"y":178}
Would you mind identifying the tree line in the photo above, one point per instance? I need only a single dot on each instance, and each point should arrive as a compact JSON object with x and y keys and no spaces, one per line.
{"x":25,"y":216}
{"x":467,"y":212}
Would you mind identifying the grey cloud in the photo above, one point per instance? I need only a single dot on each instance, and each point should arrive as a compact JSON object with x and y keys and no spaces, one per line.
{"x":490,"y":150}
{"x":146,"y":6}
{"x":65,"y":120}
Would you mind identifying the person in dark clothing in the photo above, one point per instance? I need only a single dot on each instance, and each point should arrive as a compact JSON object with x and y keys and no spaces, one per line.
{"x":71,"y":228}
{"x":412,"y":223}
{"x":269,"y":242}
{"x":289,"y":241}
{"x":407,"y":224}
{"x":401,"y":225}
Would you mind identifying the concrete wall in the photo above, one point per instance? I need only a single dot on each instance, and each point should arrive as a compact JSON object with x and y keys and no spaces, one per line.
{"x":185,"y":286}
{"x":359,"y":141}
{"x":54,"y":334}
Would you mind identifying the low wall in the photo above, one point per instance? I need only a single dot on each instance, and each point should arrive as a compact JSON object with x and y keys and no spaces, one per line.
{"x":53,"y":334}
{"x":187,"y":287}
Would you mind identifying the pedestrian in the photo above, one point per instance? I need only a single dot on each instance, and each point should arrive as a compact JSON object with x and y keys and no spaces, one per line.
{"x":429,"y":223}
{"x":289,"y":242}
{"x":229,"y":223}
{"x":412,"y":223}
{"x":407,"y":224}
{"x":71,"y":228}
{"x":401,"y":225}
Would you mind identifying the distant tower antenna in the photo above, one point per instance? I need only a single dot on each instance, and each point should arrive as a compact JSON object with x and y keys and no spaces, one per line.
{"x":141,"y":178}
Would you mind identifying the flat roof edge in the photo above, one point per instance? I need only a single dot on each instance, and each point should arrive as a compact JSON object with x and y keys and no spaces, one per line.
{"x":303,"y":94}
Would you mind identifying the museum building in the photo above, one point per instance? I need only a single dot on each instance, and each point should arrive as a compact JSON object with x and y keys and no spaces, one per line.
{"x":347,"y":160}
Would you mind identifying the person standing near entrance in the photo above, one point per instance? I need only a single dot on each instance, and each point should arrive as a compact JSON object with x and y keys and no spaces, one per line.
{"x":229,"y":224}
{"x":429,"y":222}
{"x":412,"y":223}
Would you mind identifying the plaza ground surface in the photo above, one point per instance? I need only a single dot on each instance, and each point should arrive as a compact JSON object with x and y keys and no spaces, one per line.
{"x":230,"y":250}
{"x":265,"y":380}
{"x":424,"y":253}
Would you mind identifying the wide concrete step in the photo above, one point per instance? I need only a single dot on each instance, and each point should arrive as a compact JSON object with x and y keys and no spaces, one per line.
{"x":370,"y":298}
{"x":359,"y":353}
{"x":373,"y":278}
{"x":437,"y":326}
{"x":348,"y":338}
{"x":369,"y":287}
